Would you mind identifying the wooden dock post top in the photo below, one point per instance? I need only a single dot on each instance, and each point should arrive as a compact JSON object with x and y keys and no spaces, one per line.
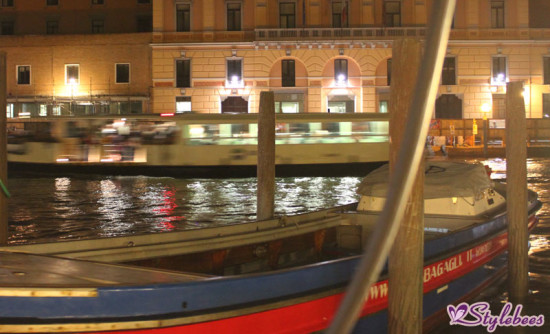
{"x":266,"y":157}
{"x":516,"y":188}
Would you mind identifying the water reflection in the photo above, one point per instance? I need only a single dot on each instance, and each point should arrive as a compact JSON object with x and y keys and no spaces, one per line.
{"x":49,"y":209}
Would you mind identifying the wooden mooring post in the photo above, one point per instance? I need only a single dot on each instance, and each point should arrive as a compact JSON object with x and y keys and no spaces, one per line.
{"x":516,"y":189}
{"x":485,"y":136}
{"x":3,"y":152}
{"x":406,"y":254}
{"x":266,"y":157}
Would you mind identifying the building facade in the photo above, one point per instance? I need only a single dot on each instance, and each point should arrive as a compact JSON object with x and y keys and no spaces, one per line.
{"x":215,"y":56}
{"x":76,"y":57}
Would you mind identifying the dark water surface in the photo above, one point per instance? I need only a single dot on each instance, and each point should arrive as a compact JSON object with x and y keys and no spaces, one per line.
{"x":46,"y":208}
{"x":60,"y":208}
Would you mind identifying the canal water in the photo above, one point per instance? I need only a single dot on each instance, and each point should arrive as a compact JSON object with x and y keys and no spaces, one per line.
{"x":46,"y":208}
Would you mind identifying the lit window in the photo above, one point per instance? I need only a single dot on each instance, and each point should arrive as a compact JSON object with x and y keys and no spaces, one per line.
{"x":341,"y":71}
{"x":340,"y":104}
{"x":72,"y":74}
{"x":183,"y":73}
{"x":287,"y":15}
{"x":234,"y":16}
{"x":9,"y":111}
{"x":497,"y":14}
{"x":23,"y":75}
{"x":234,"y":72}
{"x":499,"y":75}
{"x":288,"y":73}
{"x":183,"y":104}
{"x":122,"y":74}
{"x":183,"y":17}
{"x":383,"y":107}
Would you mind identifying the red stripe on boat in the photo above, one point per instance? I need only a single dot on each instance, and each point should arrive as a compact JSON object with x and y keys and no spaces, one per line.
{"x":317,"y":314}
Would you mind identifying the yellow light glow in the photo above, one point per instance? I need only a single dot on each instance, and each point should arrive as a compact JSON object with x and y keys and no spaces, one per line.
{"x":340,"y":91}
{"x":455,"y":200}
{"x":526,"y":94}
{"x":486,"y":107}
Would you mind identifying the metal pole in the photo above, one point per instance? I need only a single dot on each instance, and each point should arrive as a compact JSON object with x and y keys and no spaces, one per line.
{"x":266,"y":157}
{"x":410,"y":154}
{"x":3,"y":153}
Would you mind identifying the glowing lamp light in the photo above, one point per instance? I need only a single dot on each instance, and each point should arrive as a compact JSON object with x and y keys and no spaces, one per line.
{"x":455,"y":200}
{"x":167,"y":114}
{"x":500,"y":78}
{"x":485,"y":107}
{"x":234,"y":80}
{"x":72,"y":81}
{"x":341,"y":78}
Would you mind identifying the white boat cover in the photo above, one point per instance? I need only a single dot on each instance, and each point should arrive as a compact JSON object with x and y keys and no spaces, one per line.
{"x":442,"y":179}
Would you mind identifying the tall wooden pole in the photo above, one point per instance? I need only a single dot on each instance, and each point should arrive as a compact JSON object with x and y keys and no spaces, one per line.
{"x":516,"y":189}
{"x":485,"y":135}
{"x":266,"y":157}
{"x":401,"y":183}
{"x":406,"y":254}
{"x":3,"y":153}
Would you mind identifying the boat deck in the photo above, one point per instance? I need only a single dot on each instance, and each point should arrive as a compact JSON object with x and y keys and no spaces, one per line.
{"x":20,"y":270}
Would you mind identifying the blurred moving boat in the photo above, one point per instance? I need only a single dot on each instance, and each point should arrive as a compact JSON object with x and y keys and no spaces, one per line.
{"x":203,"y":145}
{"x":282,"y":275}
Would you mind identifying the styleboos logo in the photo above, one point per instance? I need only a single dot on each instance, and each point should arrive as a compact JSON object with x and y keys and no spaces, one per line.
{"x":480,"y":315}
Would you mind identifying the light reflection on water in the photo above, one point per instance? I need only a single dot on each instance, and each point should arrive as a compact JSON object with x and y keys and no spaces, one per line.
{"x":48,"y":209}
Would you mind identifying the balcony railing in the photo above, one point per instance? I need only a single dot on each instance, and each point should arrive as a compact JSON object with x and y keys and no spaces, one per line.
{"x":338,"y":33}
{"x":371,"y":33}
